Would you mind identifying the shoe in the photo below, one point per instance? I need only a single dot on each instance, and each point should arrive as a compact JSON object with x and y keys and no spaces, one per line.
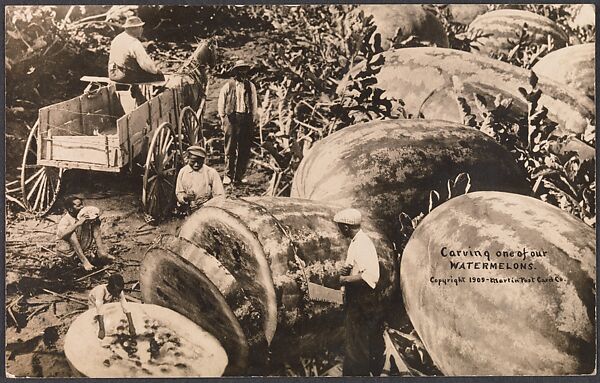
{"x":226,"y":180}
{"x":244,"y":181}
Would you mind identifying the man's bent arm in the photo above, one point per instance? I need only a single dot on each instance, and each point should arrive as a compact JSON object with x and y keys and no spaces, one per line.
{"x":144,"y":61}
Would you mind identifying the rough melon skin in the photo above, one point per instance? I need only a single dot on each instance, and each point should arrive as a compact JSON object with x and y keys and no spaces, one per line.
{"x":533,"y":328}
{"x":500,"y":30}
{"x":422,"y":78}
{"x":402,"y":21}
{"x":572,"y":66}
{"x":389,"y":167}
{"x":239,"y":255}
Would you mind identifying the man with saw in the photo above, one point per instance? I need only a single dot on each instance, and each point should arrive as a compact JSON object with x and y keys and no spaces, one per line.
{"x":359,"y":276}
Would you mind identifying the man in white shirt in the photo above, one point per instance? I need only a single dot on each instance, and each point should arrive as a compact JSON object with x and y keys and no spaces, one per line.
{"x":128,"y":61}
{"x":238,"y":109}
{"x":197,"y":182}
{"x":107,"y":293}
{"x":360,"y":274}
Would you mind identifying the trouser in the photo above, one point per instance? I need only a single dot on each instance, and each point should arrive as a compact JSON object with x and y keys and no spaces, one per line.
{"x":239,"y":132}
{"x":129,"y":77}
{"x":364,"y":333}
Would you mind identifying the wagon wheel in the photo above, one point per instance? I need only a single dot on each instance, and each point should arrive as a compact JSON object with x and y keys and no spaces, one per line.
{"x":160,"y":174}
{"x":190,"y":129}
{"x":39,"y":184}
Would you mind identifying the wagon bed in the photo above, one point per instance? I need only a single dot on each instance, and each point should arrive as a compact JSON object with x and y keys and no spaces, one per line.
{"x":93,"y":132}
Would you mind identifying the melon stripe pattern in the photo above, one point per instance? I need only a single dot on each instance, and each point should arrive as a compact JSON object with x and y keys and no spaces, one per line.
{"x":573,"y":66}
{"x":389,"y":167}
{"x":539,"y":321}
{"x":501,"y":28}
{"x":241,"y":255}
{"x":422,"y":78}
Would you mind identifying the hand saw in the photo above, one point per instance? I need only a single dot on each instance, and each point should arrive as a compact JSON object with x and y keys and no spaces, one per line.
{"x":318,"y":292}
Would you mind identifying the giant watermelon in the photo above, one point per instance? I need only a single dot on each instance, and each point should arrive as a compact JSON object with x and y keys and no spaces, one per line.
{"x":573,"y":66}
{"x":398,"y":22}
{"x":422,"y":78}
{"x":585,"y":17}
{"x":509,"y":315}
{"x":500,"y":30}
{"x":233,"y":271}
{"x":389,"y":167}
{"x":465,"y":13}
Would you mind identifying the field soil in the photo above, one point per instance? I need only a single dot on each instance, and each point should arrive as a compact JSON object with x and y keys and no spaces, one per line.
{"x":44,"y":289}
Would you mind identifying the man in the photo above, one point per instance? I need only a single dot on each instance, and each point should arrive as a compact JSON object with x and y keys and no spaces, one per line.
{"x":197,"y":182}
{"x":238,"y":109}
{"x":128,"y":61}
{"x":106,"y":293}
{"x":360,"y":274}
{"x":76,"y":232}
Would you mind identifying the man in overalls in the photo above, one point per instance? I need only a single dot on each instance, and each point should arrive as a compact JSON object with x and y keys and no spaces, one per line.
{"x":360,"y":274}
{"x":128,"y":61}
{"x":238,"y":109}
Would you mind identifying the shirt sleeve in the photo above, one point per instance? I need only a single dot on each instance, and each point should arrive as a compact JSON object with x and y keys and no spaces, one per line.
{"x":179,"y":191}
{"x":368,"y":262}
{"x":254,"y":102}
{"x":216,"y":185}
{"x":123,"y":302}
{"x":143,"y":59}
{"x":96,"y":299}
{"x":221,"y":102}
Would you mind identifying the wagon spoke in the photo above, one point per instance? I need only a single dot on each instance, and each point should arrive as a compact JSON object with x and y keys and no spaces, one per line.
{"x":43,"y":192}
{"x":167,"y":144}
{"x":40,"y":190}
{"x":35,"y":185}
{"x":36,"y":174}
{"x":169,"y":170}
{"x":167,"y":159}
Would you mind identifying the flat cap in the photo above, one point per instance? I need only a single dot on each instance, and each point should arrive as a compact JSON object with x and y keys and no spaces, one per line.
{"x":196,"y":150}
{"x":348,"y":216}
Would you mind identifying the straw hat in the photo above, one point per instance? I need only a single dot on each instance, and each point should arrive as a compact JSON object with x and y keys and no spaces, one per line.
{"x":133,"y":22}
{"x":240,"y":64}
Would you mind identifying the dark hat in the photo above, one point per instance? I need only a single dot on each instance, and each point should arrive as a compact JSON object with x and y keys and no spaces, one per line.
{"x":198,"y":151}
{"x":239,"y":64}
{"x":133,"y":22}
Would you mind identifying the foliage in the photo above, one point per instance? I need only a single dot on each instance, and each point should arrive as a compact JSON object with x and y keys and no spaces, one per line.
{"x":525,"y":53}
{"x":557,"y":176}
{"x":301,"y":76}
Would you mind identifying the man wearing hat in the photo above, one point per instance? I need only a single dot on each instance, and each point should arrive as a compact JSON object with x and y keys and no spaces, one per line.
{"x":128,"y":61}
{"x":238,"y":109}
{"x":359,"y":276}
{"x":197,"y":182}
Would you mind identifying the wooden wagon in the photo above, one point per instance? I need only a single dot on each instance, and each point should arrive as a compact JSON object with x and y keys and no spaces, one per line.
{"x":103,"y":130}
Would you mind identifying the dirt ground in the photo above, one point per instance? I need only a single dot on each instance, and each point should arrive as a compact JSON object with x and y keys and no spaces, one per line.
{"x":44,"y":289}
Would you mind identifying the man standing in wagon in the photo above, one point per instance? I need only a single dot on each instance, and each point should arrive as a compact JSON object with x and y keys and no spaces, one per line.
{"x":128,"y":61}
